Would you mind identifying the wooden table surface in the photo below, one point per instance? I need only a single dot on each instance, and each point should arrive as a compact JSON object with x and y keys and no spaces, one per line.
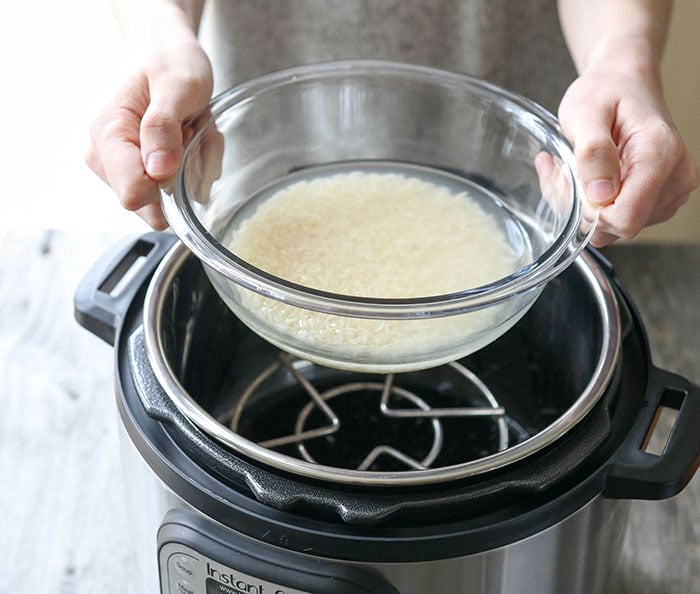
{"x":59,"y":451}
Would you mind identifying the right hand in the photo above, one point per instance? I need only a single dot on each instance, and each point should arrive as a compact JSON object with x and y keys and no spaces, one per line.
{"x":139,"y":137}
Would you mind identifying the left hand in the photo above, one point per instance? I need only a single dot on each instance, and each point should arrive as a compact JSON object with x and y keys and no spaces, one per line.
{"x":630,"y":157}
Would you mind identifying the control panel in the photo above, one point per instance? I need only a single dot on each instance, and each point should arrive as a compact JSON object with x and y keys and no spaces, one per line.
{"x":198,"y":556}
{"x":186,"y":571}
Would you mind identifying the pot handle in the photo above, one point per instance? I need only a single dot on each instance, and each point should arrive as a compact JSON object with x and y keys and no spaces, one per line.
{"x":637,"y":474}
{"x":106,"y":292}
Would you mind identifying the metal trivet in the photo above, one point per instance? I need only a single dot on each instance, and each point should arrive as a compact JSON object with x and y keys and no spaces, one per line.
{"x":412,"y":407}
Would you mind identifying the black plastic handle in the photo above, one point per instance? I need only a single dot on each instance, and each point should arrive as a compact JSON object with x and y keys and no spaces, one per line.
{"x":637,"y":474}
{"x":99,"y":307}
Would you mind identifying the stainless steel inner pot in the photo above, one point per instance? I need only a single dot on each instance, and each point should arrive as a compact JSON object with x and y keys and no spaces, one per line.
{"x":583,"y":380}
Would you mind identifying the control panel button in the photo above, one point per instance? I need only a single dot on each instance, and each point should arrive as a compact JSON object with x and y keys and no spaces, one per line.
{"x":182,"y":566}
{"x":184,"y":587}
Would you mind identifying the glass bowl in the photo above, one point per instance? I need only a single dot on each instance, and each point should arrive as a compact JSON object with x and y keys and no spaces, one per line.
{"x":324,"y":124}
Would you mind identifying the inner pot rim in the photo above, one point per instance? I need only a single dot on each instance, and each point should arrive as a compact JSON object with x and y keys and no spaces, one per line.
{"x":609,"y":352}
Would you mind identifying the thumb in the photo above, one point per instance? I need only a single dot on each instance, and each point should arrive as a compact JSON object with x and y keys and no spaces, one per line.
{"x":597,"y":156}
{"x":161,"y":135}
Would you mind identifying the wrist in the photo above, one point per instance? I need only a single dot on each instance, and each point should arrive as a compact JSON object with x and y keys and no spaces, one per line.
{"x":627,"y":55}
{"x":626,"y":36}
{"x":154,"y":25}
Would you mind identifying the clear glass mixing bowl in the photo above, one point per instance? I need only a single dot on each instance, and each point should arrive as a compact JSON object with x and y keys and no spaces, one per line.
{"x":378,"y":117}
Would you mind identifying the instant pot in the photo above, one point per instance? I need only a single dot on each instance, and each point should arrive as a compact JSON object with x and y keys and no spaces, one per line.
{"x":511,"y":470}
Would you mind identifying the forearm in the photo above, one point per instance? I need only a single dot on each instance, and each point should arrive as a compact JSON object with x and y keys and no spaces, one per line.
{"x":615,"y":33}
{"x":148,"y":24}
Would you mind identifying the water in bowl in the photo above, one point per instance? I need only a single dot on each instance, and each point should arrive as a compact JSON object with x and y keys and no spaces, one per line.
{"x":374,"y":230}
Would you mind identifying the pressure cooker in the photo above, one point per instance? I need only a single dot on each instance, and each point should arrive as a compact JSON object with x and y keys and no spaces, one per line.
{"x":511,"y":470}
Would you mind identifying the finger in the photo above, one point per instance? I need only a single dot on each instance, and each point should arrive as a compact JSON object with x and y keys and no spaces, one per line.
{"x":212,"y":155}
{"x":93,"y":161}
{"x":161,"y":140}
{"x":115,"y":156}
{"x":544,"y":165}
{"x":633,"y":206}
{"x":589,"y":128}
{"x":127,"y":178}
{"x":557,"y":191}
{"x":172,"y":104}
{"x":549,"y":176}
{"x":601,"y":239}
{"x":649,"y":194}
{"x":684,"y":180}
{"x":667,"y":210}
{"x":153,"y":215}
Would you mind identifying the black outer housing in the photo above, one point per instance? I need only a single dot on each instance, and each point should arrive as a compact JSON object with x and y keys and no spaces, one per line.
{"x":616,"y":469}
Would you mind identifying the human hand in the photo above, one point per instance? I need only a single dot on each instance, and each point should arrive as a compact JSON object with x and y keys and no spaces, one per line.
{"x":139,"y":137}
{"x":629,"y":155}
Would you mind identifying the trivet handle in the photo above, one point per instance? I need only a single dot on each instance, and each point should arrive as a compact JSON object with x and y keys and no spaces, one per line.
{"x":99,"y":306}
{"x":637,"y":474}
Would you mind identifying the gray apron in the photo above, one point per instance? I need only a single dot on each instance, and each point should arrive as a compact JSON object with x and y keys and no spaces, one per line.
{"x":514,"y":43}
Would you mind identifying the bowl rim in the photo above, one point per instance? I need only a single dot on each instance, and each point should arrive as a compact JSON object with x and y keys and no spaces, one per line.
{"x":187,"y":226}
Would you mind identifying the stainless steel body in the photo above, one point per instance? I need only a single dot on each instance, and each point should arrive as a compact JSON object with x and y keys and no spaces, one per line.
{"x":577,"y":555}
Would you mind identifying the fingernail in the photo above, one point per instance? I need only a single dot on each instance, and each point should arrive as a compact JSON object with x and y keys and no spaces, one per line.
{"x":601,"y":191}
{"x":159,"y":163}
